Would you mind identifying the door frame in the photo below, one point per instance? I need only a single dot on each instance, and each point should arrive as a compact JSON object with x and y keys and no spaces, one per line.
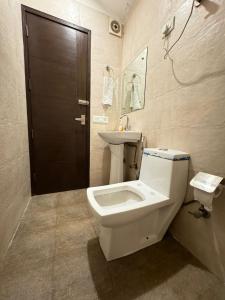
{"x":26,"y":9}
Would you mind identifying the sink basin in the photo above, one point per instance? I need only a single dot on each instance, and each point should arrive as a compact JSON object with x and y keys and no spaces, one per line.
{"x":120,"y":137}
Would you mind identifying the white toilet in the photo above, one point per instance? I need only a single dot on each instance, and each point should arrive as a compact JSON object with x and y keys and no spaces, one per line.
{"x":136,"y":214}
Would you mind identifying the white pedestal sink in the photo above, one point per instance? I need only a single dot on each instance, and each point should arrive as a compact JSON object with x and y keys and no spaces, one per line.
{"x":116,"y":141}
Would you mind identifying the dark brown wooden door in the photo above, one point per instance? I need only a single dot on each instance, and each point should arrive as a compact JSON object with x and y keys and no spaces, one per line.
{"x":57,"y":76}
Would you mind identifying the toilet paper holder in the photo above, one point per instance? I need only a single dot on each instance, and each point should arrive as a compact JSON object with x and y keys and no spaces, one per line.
{"x":207,"y":187}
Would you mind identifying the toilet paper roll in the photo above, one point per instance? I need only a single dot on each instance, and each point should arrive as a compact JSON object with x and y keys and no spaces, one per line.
{"x":205,"y":198}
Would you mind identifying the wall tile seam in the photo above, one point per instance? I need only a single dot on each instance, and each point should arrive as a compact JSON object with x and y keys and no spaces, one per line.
{"x":12,"y":123}
{"x":158,"y":95}
{"x":115,"y":67}
{"x":177,"y":127}
{"x":98,"y":169}
{"x":97,"y":147}
{"x":197,"y":33}
{"x":110,"y":37}
{"x":99,"y":63}
{"x":196,"y":170}
{"x":174,"y":124}
{"x":21,"y":190}
{"x":14,"y":203}
{"x":8,"y":162}
{"x":16,"y":166}
{"x":100,"y":66}
{"x":179,"y":55}
{"x":178,"y":88}
{"x":15,"y":231}
{"x":214,"y":99}
{"x":180,"y":59}
{"x":12,"y":161}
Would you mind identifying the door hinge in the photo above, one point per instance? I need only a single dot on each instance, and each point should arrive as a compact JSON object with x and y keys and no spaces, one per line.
{"x":27,"y":30}
{"x":32,"y":133}
{"x":29,"y":84}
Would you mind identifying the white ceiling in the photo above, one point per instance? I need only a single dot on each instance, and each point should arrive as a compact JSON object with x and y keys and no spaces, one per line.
{"x":115,"y":8}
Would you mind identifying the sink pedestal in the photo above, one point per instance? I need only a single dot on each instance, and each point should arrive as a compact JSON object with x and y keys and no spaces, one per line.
{"x":116,"y":169}
{"x":116,"y":141}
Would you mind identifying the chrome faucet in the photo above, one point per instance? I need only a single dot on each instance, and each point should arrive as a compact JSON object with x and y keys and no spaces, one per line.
{"x":127,"y":121}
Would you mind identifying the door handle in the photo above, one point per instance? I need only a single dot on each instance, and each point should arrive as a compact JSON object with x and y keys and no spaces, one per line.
{"x":83,"y":102}
{"x":82,"y":119}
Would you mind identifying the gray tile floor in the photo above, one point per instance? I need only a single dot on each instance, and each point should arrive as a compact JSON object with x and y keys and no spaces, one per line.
{"x":56,"y":255}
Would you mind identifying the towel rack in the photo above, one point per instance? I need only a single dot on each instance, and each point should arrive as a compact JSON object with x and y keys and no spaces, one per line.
{"x":135,"y":77}
{"x":110,"y":71}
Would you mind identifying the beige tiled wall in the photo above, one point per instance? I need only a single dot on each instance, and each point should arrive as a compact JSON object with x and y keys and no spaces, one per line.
{"x":14,"y":155}
{"x":185,"y":104}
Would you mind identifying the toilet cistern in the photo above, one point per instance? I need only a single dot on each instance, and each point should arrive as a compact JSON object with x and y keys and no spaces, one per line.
{"x":116,"y":141}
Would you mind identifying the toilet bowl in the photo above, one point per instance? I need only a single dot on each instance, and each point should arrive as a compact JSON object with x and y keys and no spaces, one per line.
{"x":121,"y":203}
{"x":133,"y":215}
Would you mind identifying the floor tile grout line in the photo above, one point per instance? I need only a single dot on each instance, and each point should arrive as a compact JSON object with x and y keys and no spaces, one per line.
{"x":54,"y":255}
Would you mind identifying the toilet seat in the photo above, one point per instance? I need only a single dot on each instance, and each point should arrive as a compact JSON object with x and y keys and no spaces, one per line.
{"x":132,"y":199}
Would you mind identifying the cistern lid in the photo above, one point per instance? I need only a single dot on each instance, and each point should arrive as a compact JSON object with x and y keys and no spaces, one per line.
{"x":167,"y":153}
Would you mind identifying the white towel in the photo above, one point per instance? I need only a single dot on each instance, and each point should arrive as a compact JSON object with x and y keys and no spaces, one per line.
{"x":135,"y":102}
{"x":108,"y":90}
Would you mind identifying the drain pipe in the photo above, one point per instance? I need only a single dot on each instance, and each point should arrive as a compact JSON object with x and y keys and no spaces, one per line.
{"x":201,"y":212}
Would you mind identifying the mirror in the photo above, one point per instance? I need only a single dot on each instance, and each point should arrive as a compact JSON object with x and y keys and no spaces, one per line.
{"x":133,"y":84}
